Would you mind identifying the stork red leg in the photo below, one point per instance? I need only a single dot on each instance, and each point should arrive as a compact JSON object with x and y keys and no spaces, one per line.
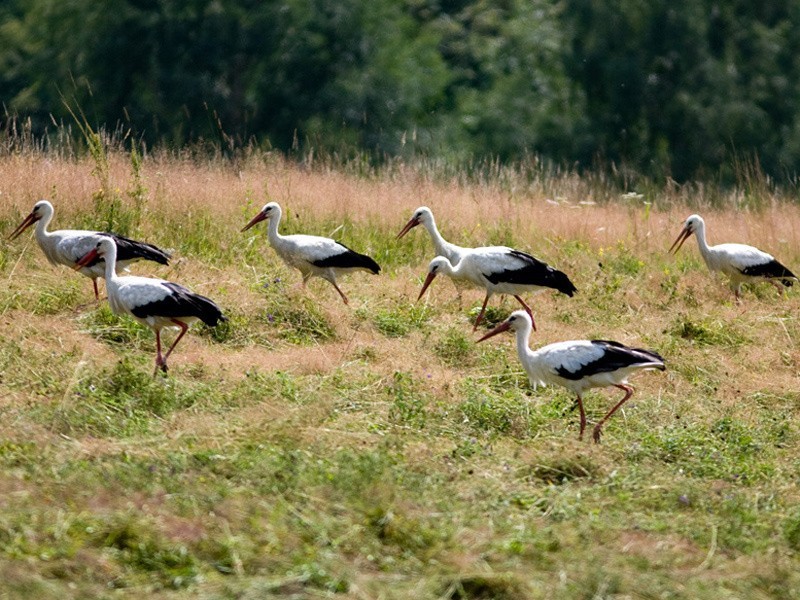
{"x":480,"y":316}
{"x":160,"y":362}
{"x":527,"y":310}
{"x":184,"y":328}
{"x":583,"y":417}
{"x":628,"y":393}
{"x":341,"y":293}
{"x":96,"y":292}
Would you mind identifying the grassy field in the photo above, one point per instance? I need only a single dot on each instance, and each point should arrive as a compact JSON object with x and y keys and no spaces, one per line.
{"x":309,"y":449}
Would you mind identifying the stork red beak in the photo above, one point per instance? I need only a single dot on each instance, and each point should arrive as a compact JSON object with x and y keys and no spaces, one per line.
{"x":86,"y":259}
{"x":257,"y":219}
{"x":504,"y":326}
{"x":682,"y":237}
{"x":29,"y":220}
{"x":428,"y":280}
{"x":409,"y":226}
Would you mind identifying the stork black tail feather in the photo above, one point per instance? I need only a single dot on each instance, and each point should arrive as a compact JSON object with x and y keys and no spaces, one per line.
{"x":128,"y":249}
{"x":208,"y":311}
{"x":349,"y":260}
{"x":182,"y":302}
{"x":369,"y":264}
{"x":771,"y":270}
{"x":562,"y":283}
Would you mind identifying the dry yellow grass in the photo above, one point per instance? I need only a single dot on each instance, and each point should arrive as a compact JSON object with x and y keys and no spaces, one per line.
{"x":462,"y":210}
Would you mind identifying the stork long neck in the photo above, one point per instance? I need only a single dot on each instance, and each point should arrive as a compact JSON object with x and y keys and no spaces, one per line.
{"x":275,"y":238}
{"x":110,"y":258}
{"x":451,"y":271}
{"x":42,"y":235}
{"x":523,"y":339}
{"x":441,"y":245}
{"x":705,"y":249}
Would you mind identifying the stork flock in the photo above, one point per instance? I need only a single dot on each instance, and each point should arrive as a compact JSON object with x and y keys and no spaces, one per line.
{"x":577,"y":365}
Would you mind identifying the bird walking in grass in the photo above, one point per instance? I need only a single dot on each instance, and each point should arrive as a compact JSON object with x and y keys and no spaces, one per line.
{"x":67,"y":246}
{"x":155,"y":303}
{"x":312,"y":255}
{"x":740,"y":262}
{"x":579,"y":365}
{"x":501,"y":270}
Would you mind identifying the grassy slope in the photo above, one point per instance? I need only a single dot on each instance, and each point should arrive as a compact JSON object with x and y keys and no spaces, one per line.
{"x":310,"y":449}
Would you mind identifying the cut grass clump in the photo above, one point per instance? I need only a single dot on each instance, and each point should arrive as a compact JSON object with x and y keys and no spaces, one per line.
{"x":563,"y":469}
{"x":140,"y":548}
{"x":493,"y":316}
{"x":726,"y":449}
{"x":408,"y":405}
{"x":791,"y":530}
{"x":455,"y":349}
{"x":105,"y":326}
{"x":296,"y":319}
{"x":269,"y":385}
{"x":401,"y":320}
{"x":490,"y":586}
{"x":123,"y":401}
{"x":505,"y":412}
{"x":237,"y":331}
{"x":59,"y":299}
{"x":707,"y":332}
{"x":408,"y":533}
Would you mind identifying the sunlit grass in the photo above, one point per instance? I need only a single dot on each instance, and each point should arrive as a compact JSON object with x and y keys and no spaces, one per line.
{"x":306,"y":448}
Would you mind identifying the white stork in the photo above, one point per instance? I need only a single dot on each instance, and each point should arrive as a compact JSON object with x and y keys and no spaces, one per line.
{"x":155,"y":303}
{"x":424,"y":216}
{"x":501,"y":270}
{"x":579,"y":365}
{"x":740,"y":262}
{"x":310,"y":254}
{"x":67,"y":246}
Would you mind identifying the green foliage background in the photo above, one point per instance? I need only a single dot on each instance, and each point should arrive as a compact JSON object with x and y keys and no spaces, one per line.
{"x":667,"y":88}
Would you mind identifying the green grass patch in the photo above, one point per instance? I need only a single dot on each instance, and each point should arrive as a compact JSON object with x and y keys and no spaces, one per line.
{"x":707,"y":332}
{"x":122,"y":401}
{"x":401,"y":320}
{"x":455,"y":348}
{"x":117,"y":330}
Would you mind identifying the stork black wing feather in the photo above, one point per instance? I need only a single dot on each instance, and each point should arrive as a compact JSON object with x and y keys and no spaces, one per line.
{"x":182,"y":302}
{"x":128,"y":249}
{"x":348,"y":260}
{"x":772,"y":269}
{"x":534,"y":272}
{"x":615,"y":356}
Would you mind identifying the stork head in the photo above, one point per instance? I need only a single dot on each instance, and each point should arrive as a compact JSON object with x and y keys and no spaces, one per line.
{"x":422,"y":215}
{"x":690,"y":226}
{"x":40,"y":210}
{"x":270,"y":211}
{"x":519,"y":319}
{"x":438,"y":265}
{"x":104,"y":246}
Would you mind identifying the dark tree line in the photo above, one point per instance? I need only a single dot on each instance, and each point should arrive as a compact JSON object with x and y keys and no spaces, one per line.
{"x":669,"y":88}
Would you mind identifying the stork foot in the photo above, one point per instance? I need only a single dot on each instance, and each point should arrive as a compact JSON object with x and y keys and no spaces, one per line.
{"x":161,"y":365}
{"x":596,"y":433}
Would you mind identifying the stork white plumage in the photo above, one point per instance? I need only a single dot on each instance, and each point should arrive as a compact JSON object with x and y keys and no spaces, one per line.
{"x":501,"y":270}
{"x":424,"y":216}
{"x":310,"y":254}
{"x":67,"y":246}
{"x":740,"y":262}
{"x":579,"y":365}
{"x":155,"y":303}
